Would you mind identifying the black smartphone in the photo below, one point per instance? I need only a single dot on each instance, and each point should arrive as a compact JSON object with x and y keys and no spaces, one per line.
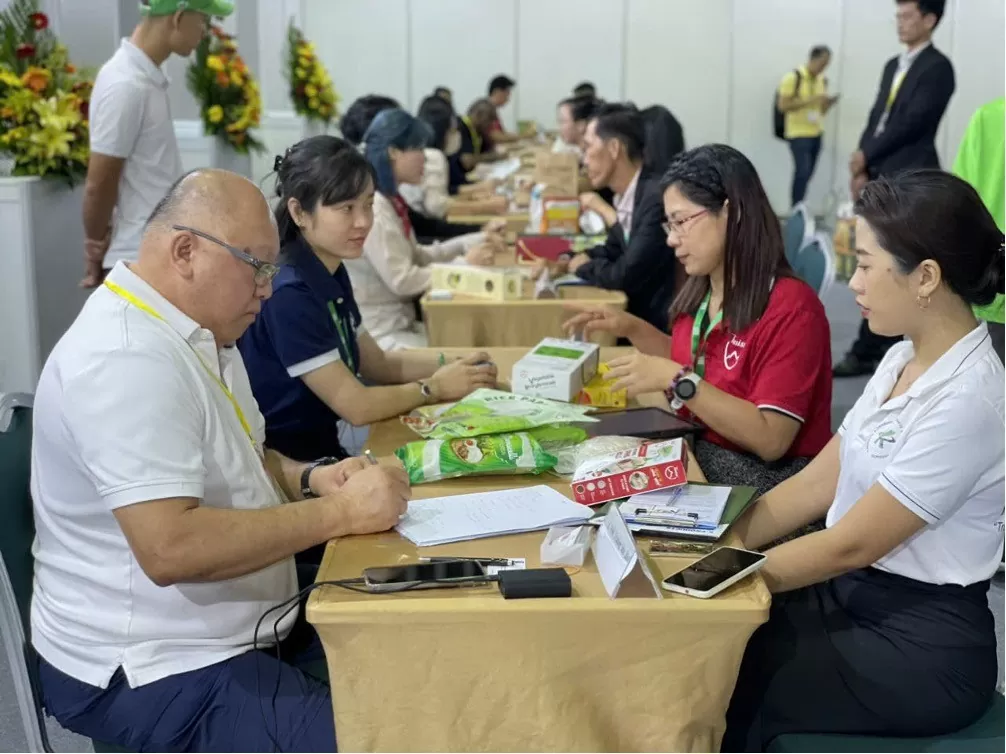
{"x":649,"y":423}
{"x":423,"y":575}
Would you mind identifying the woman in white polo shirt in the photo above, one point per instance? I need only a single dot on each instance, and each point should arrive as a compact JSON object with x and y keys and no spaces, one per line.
{"x":881,"y":623}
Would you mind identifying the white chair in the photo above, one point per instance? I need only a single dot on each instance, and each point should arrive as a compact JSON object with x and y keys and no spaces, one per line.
{"x":798,"y":230}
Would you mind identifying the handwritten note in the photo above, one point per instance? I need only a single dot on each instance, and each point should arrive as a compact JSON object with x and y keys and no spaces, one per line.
{"x":441,"y":520}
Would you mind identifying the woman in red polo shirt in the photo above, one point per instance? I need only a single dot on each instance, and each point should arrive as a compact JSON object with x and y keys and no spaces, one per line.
{"x":749,"y":350}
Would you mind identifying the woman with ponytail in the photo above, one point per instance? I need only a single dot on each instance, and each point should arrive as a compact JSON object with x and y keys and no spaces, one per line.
{"x":881,"y":624}
{"x":309,"y":357}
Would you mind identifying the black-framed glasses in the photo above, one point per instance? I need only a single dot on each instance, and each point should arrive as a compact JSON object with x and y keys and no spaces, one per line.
{"x":264,"y":271}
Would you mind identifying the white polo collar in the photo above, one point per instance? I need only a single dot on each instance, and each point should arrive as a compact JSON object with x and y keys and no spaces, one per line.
{"x":142,"y":61}
{"x":175,"y":318}
{"x":962,"y":356}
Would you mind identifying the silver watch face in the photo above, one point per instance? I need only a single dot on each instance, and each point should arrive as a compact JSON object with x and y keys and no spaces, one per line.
{"x":424,"y":388}
{"x":685,"y":389}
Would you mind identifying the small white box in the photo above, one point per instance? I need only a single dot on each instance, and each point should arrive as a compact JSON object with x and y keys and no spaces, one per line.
{"x":556,"y":369}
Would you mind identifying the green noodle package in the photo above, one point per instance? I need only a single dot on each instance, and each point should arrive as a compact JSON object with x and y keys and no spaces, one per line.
{"x":512,"y":453}
{"x":489,"y":412}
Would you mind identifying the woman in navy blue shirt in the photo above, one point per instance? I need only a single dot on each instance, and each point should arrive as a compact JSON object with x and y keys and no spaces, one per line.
{"x":308,"y":355}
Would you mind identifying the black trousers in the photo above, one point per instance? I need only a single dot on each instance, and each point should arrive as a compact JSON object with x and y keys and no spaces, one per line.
{"x":871,"y":347}
{"x":866,"y":653}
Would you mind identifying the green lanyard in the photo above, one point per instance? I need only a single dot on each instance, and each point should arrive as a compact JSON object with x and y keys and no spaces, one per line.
{"x":342,"y":328}
{"x":699,"y":340}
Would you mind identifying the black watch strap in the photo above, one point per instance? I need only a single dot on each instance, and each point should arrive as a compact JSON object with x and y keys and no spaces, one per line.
{"x":305,"y":476}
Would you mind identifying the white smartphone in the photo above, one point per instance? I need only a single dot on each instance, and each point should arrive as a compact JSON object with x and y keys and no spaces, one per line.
{"x":713,"y":573}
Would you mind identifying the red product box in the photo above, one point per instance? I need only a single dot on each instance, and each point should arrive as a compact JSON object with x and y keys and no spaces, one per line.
{"x":652,"y":466}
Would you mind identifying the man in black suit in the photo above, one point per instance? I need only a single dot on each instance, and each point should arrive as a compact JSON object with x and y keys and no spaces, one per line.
{"x":634,"y":258}
{"x":901,"y":134}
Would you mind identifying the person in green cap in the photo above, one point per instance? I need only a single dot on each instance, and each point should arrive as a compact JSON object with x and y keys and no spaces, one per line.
{"x":134,"y":153}
{"x":981,"y":161}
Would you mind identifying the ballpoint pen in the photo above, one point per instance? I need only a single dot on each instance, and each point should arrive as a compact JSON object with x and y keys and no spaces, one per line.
{"x":370,"y":457}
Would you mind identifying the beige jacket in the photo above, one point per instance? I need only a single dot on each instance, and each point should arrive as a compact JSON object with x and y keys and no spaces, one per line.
{"x":432,"y":196}
{"x":394,"y":271}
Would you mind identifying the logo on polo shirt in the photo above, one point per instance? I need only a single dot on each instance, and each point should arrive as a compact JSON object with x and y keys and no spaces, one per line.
{"x":732,"y":352}
{"x":884,"y":438}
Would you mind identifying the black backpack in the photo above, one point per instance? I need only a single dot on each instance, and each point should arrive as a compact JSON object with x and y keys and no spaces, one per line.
{"x":778,"y":116}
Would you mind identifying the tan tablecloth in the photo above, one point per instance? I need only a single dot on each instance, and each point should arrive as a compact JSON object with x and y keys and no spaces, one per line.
{"x":466,"y":670}
{"x":468,"y":322}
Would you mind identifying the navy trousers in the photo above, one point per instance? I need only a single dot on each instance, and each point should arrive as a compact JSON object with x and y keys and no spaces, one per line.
{"x":252,"y":702}
{"x":805,"y":152}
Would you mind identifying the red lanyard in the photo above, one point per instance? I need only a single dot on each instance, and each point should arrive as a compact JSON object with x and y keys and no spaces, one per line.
{"x":402,"y":210}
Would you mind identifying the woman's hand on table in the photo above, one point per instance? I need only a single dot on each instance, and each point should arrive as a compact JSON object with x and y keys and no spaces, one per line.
{"x":375,"y":498}
{"x":481,"y":255}
{"x":639,"y":373}
{"x":576,"y":262}
{"x":459,"y":378}
{"x":496,"y":226}
{"x":588,"y":319}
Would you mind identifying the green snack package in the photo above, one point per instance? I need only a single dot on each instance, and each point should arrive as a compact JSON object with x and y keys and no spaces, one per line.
{"x":490,"y":412}
{"x":433,"y":460}
{"x":555,"y":438}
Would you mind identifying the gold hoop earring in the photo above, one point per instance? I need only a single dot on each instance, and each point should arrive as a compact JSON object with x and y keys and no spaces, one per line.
{"x":923,"y":302}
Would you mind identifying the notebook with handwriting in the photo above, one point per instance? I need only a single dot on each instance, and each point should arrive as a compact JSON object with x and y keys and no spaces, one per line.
{"x":441,"y":520}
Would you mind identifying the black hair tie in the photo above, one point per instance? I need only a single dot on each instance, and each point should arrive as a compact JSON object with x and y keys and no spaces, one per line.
{"x":277,"y":163}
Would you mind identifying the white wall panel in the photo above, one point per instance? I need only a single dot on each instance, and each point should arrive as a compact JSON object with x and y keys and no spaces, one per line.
{"x":678,"y":54}
{"x":563,"y":42}
{"x":462,"y":45}
{"x":771,"y":37}
{"x":363,"y":43}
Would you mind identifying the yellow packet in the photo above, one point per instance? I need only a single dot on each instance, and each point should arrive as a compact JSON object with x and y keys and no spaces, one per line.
{"x":600,"y":391}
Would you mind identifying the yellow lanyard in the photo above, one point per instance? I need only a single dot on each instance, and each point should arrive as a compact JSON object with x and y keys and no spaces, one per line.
{"x":895,"y":86}
{"x":473,"y":132}
{"x":144,"y":307}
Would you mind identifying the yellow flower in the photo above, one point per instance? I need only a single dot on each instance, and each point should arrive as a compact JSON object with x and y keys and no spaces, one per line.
{"x":301,"y":73}
{"x":304,"y":62}
{"x":215,"y":114}
{"x":9,"y":78}
{"x":215,"y":63}
{"x":311,"y":90}
{"x":313,"y":103}
{"x":236,"y":78}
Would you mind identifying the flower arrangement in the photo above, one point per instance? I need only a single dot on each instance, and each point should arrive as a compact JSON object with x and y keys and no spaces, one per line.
{"x":43,"y":98}
{"x":227,"y":92}
{"x":310,"y":86}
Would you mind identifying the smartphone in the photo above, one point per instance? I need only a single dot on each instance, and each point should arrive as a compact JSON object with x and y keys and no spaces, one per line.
{"x":649,"y":423}
{"x":712,"y":574}
{"x":423,"y":575}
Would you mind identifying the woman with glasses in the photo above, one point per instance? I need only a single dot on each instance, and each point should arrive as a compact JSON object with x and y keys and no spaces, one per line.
{"x":394,"y":269}
{"x":881,"y":624}
{"x":748,"y":354}
{"x":310,"y":359}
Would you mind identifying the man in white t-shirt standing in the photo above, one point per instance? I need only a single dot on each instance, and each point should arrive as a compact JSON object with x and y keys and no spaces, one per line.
{"x":134,"y":152}
{"x":161,"y":534}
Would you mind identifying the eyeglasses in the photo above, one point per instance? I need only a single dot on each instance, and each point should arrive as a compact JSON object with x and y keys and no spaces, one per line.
{"x":678,"y":226}
{"x":264,"y":271}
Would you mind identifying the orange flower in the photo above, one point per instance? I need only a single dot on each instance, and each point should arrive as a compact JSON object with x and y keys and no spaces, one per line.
{"x":223,"y":80}
{"x":70,"y":68}
{"x":6,"y":112}
{"x":36,"y":79}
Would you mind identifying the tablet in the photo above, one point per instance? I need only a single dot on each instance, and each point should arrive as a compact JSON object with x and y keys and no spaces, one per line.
{"x":649,"y":423}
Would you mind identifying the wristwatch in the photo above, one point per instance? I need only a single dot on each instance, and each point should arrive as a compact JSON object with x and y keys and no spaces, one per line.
{"x":686,"y":386}
{"x":425,"y":390}
{"x":305,"y":476}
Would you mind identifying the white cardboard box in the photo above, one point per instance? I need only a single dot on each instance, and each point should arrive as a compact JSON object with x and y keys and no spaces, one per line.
{"x":556,"y":369}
